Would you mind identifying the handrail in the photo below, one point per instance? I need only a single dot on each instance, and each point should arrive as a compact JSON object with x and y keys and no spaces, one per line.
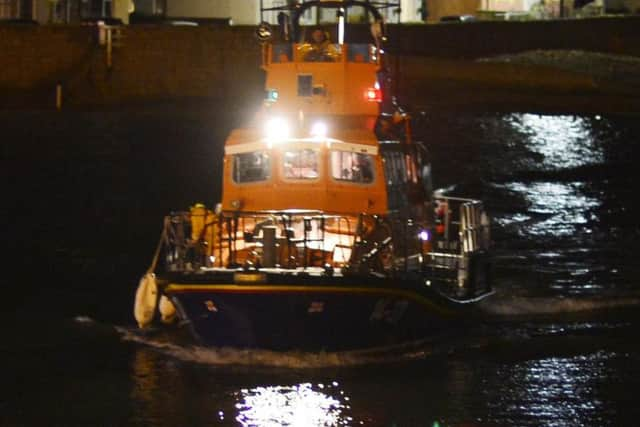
{"x":464,"y":218}
{"x":359,"y":244}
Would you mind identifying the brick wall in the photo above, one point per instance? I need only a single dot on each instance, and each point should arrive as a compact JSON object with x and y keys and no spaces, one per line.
{"x":165,"y":62}
{"x":153,"y":62}
{"x":33,"y":55}
{"x":168,"y":62}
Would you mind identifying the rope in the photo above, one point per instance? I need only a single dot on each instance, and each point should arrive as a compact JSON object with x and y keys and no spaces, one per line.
{"x":156,"y":256}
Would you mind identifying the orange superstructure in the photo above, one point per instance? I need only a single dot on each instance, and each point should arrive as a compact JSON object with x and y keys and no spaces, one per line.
{"x":313,"y":145}
{"x":342,"y":174}
{"x":339,"y":87}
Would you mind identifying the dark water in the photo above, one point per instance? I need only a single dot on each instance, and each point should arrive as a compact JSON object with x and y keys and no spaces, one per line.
{"x":84,"y":198}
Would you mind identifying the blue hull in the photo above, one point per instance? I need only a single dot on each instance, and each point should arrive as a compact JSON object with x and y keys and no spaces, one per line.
{"x":326,"y":314}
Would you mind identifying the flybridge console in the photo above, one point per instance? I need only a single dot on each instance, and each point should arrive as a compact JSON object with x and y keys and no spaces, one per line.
{"x":327,"y":57}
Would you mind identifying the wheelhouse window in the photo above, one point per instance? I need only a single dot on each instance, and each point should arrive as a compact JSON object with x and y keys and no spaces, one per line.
{"x":251,"y":167}
{"x":360,"y":52}
{"x":352,"y":167}
{"x":300,"y":164}
{"x":326,"y":52}
{"x":281,"y":52}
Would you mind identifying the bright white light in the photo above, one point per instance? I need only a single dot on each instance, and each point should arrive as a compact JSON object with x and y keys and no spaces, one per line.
{"x":319,"y":130}
{"x":297,"y":405}
{"x":424,"y":235}
{"x":277,"y":128}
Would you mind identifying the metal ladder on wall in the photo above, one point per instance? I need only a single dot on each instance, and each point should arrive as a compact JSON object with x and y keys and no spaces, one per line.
{"x":110,"y":36}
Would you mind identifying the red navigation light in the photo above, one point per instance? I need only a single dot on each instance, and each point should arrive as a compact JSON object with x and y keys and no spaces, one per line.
{"x":373,"y":94}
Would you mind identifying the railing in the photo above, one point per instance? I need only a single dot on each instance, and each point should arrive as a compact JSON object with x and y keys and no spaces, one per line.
{"x":446,"y":252}
{"x":109,"y":37}
{"x":461,"y":225}
{"x":462,"y":234}
{"x":286,"y":240}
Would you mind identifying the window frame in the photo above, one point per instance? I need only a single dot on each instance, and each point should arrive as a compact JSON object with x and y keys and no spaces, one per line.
{"x":318,"y":156}
{"x":372,"y":163}
{"x":269,"y":167}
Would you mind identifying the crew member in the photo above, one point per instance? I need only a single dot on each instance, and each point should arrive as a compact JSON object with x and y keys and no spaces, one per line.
{"x":320,"y":49}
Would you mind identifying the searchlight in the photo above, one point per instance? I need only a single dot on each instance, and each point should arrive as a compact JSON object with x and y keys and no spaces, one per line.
{"x":319,"y":130}
{"x":277,"y":128}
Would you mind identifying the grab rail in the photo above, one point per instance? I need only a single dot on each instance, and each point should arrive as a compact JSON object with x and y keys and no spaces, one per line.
{"x":359,"y":244}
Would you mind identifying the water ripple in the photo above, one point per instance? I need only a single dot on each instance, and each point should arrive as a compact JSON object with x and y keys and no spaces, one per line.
{"x":562,"y":141}
{"x":554,"y":209}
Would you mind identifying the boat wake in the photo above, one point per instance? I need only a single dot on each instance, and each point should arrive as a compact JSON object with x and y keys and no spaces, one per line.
{"x":508,"y":305}
{"x":410,"y":351}
{"x":515,"y":310}
{"x":517,"y":332}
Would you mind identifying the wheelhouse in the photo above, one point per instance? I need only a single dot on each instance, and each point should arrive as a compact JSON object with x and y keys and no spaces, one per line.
{"x":341,"y":174}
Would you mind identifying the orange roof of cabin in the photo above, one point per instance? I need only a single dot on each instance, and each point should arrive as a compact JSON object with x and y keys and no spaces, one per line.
{"x":354,"y":129}
{"x":354,"y":136}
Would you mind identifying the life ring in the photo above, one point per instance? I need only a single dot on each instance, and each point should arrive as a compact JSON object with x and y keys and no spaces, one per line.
{"x":146,"y":301}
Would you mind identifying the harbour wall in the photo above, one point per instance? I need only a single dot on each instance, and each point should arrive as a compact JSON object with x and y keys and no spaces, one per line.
{"x":488,"y":38}
{"x":151,"y":63}
{"x":146,"y":63}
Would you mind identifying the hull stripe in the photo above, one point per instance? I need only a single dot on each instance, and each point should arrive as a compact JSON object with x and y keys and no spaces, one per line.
{"x":173,"y":288}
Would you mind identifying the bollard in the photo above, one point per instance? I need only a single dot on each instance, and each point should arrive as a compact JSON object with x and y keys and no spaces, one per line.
{"x":269,"y":246}
{"x":109,"y":47}
{"x":58,"y":96}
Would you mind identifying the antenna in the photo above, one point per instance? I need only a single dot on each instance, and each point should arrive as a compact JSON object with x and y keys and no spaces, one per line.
{"x":341,"y":25}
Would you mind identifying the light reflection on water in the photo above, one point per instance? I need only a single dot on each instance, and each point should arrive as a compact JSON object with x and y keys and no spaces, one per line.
{"x":554,"y":208}
{"x":563,"y":141}
{"x":555,"y":391}
{"x":552,"y":205}
{"x":537,"y":374}
{"x":298,"y":405}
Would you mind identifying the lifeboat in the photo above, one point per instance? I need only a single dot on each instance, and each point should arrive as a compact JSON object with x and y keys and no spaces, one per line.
{"x":328,"y":235}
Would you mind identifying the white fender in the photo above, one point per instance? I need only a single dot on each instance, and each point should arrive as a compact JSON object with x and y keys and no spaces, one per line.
{"x":167,"y":310}
{"x":146,"y":300}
